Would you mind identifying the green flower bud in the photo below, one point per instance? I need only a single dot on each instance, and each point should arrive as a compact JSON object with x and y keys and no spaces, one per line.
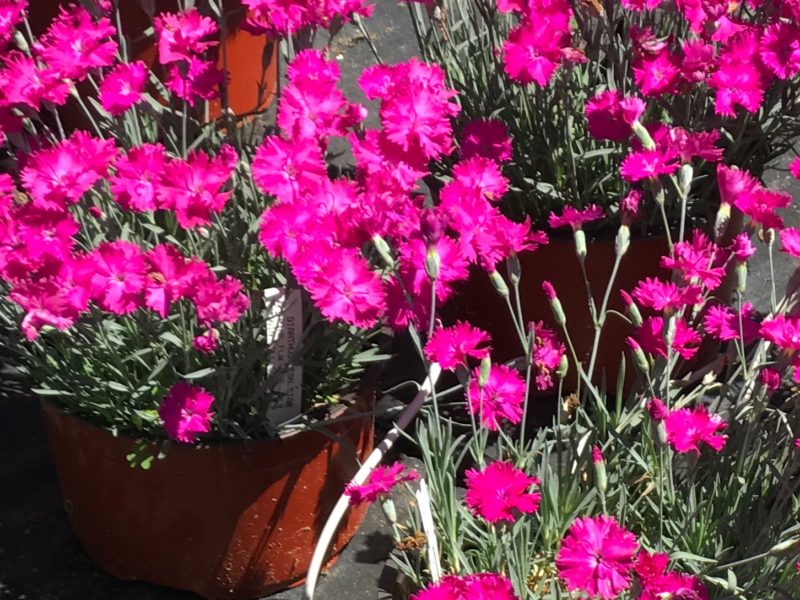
{"x":432,"y":263}
{"x":485,"y":370}
{"x":514,"y":268}
{"x":563,"y":367}
{"x":721,"y":221}
{"x":383,"y":249}
{"x":580,"y":243}
{"x":389,"y":510}
{"x":499,"y":283}
{"x":641,"y":132}
{"x":623,"y":241}
{"x":600,"y":476}
{"x":741,"y":277}
{"x":669,"y":331}
{"x":784,"y":546}
{"x":685,"y":176}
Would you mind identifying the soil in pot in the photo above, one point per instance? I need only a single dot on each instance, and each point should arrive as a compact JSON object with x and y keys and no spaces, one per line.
{"x":234,"y":520}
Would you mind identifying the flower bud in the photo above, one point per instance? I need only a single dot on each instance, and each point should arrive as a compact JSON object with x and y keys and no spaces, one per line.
{"x":644,"y":136}
{"x":431,"y":226}
{"x":383,"y":249}
{"x":685,"y":176}
{"x":657,"y":409}
{"x":638,"y":355}
{"x":485,"y":370}
{"x":631,"y":309}
{"x":580,"y":243}
{"x":721,"y":222}
{"x":563,"y":367}
{"x":387,"y":504}
{"x":741,"y":277}
{"x":555,"y":303}
{"x":784,"y":546}
{"x":432,"y":263}
{"x":623,"y":241}
{"x":669,"y":331}
{"x":499,"y":283}
{"x":600,"y":476}
{"x":514,"y":268}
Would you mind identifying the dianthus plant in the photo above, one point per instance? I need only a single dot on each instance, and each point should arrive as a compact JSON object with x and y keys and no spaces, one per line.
{"x":680,"y":482}
{"x":129,"y":234}
{"x":567,"y":78}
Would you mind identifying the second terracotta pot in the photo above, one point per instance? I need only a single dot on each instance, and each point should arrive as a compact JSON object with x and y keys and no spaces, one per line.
{"x":233,"y":521}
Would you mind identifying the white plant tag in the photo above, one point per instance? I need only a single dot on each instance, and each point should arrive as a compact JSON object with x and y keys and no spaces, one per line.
{"x":284,"y":336}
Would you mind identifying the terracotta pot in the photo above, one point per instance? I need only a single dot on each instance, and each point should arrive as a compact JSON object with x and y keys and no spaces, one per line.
{"x":251,"y":60}
{"x":477,"y":301}
{"x":236,"y":520}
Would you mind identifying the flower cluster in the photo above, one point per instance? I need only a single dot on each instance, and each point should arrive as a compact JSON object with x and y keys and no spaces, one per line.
{"x":280,"y":18}
{"x":478,"y":586}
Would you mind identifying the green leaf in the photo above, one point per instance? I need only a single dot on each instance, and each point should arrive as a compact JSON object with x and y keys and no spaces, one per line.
{"x":200,"y":374}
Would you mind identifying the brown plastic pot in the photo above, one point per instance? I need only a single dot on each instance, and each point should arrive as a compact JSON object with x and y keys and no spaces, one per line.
{"x":477,"y":301}
{"x":235,"y":520}
{"x":251,"y":60}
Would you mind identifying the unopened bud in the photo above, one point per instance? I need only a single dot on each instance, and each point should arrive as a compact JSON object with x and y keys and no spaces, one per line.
{"x":563,"y":367}
{"x":784,"y":546}
{"x":485,"y":370}
{"x":669,"y":331}
{"x":555,"y":303}
{"x":580,"y":243}
{"x":389,"y":510}
{"x":657,"y":409}
{"x":741,"y":277}
{"x":644,"y":136}
{"x":499,"y":283}
{"x":383,"y":249}
{"x":631,"y":309}
{"x":623,"y":241}
{"x":638,"y":355}
{"x":600,"y":476}
{"x":514,"y":268}
{"x":721,"y":222}
{"x":432,"y":263}
{"x":685,"y":176}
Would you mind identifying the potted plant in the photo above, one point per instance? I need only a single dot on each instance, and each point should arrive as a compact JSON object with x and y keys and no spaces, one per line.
{"x":154,"y":325}
{"x":565,"y":80}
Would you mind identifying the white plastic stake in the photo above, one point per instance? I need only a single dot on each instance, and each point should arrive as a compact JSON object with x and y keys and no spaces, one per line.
{"x":425,"y":512}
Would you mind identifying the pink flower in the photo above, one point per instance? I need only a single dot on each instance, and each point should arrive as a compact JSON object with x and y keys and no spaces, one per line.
{"x":722,"y":323}
{"x":597,"y":455}
{"x":596,"y":557}
{"x":741,"y":248}
{"x":665,"y":296}
{"x":381,"y":481}
{"x":207,"y":342}
{"x":136,"y":182}
{"x":288,"y":170}
{"x":487,"y":138}
{"x":688,"y":145}
{"x":216,"y":300}
{"x":794,"y":168}
{"x":697,"y":60}
{"x":193,"y":187}
{"x":738,"y":80}
{"x":169,"y":277}
{"x":651,"y":337}
{"x":782,"y":331}
{"x":575,"y":218}
{"x":116,"y":273}
{"x":658,"y":583}
{"x":25,"y":82}
{"x":546,"y":355}
{"x":11,"y":13}
{"x":500,"y":491}
{"x":771,"y":379}
{"x":280,"y":18}
{"x":760,"y":205}
{"x":52,"y":302}
{"x":452,"y":265}
{"x":62,"y":174}
{"x":657,"y":409}
{"x":780,"y":49}
{"x":195,"y":80}
{"x":478,"y":176}
{"x":123,"y":87}
{"x":657,"y":74}
{"x":501,"y":397}
{"x":180,"y":35}
{"x":416,"y":106}
{"x":686,"y":429}
{"x":536,"y":48}
{"x":186,"y":412}
{"x":648,"y":164}
{"x":75,"y":43}
{"x":697,"y":261}
{"x":734,"y":182}
{"x":451,"y":346}
{"x":480,"y":586}
{"x":790,"y":241}
{"x":345,"y":288}
{"x":610,"y":115}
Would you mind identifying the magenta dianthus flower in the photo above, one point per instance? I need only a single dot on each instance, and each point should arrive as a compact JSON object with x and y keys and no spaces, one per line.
{"x":500,"y":492}
{"x":381,"y":481}
{"x":501,"y":397}
{"x":185,"y":412}
{"x":687,"y":428}
{"x":451,"y":346}
{"x":122,"y":88}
